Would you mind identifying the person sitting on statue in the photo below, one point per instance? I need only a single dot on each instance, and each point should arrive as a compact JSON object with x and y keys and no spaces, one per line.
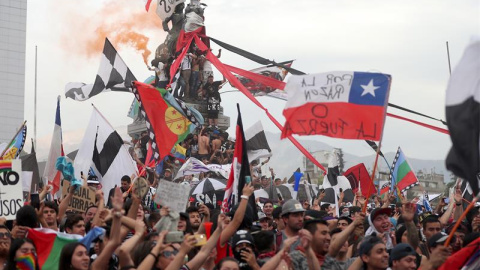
{"x":161,"y":79}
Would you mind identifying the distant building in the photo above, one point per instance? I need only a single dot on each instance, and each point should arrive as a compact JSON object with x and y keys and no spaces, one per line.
{"x":316,"y":173}
{"x":430,"y":181}
{"x":13,"y":32}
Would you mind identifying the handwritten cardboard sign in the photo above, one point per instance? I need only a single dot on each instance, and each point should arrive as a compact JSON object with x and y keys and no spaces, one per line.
{"x":11,"y":188}
{"x":82,"y":198}
{"x":172,"y":195}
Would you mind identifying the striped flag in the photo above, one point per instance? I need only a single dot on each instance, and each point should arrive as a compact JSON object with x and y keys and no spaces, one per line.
{"x":49,"y":244}
{"x":12,"y":151}
{"x":257,"y":145}
{"x":51,"y":174}
{"x":426,"y":202}
{"x":402,"y":173}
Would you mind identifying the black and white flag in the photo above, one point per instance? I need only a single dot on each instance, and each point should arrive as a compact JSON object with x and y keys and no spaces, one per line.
{"x":103,"y":150}
{"x":113,"y":75}
{"x":257,"y":145}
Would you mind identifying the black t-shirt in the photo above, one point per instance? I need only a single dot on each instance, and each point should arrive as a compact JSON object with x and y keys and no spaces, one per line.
{"x":213,"y":96}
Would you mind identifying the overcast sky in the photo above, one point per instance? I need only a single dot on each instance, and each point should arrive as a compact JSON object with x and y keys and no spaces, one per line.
{"x":403,"y":38}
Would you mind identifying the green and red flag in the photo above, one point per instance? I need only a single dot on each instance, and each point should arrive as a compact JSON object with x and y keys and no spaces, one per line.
{"x":165,"y":124}
{"x":49,"y":244}
{"x":402,"y":176}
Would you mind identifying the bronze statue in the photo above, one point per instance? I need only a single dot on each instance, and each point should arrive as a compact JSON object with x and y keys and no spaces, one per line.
{"x":177,"y":19}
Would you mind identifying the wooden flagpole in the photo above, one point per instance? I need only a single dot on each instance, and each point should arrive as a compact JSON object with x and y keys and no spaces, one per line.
{"x":16,"y":134}
{"x":364,"y":210}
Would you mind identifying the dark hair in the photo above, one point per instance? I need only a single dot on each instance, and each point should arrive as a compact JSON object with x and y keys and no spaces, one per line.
{"x":51,"y":205}
{"x":429,"y":219}
{"x":226,"y":259}
{"x":14,"y":246}
{"x":91,"y":206}
{"x":192,"y":209}
{"x":470,"y":238}
{"x":126,"y":178}
{"x":311,"y":225}
{"x":268,"y":201}
{"x":27,"y":216}
{"x":72,"y":220}
{"x":141,"y":251}
{"x":67,"y":253}
{"x":335,"y":231}
{"x":264,"y":240}
{"x":324,"y":207}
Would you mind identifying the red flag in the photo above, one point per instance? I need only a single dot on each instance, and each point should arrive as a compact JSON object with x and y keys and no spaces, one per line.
{"x":51,"y":174}
{"x":147,"y":4}
{"x":348,"y":105}
{"x":166,"y":125}
{"x":240,"y":170}
{"x":360,"y":179}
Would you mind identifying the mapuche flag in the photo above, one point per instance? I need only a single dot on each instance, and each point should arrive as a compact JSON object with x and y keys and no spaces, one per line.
{"x":240,"y":170}
{"x":166,"y":125}
{"x":402,"y":175}
{"x":348,"y":105}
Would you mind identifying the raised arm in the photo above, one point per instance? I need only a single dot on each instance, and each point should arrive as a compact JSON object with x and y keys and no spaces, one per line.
{"x":149,"y":261}
{"x":275,"y":261}
{"x":343,"y":236}
{"x":127,"y":246}
{"x":232,"y":227}
{"x":62,"y":208}
{"x":115,"y":240}
{"x":408,"y":211}
{"x":187,"y":245}
{"x":96,"y":221}
{"x":197,"y":261}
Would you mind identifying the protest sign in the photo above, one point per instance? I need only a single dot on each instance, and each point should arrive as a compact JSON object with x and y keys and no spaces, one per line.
{"x":172,"y":195}
{"x":213,"y":197}
{"x":11,"y":193}
{"x":82,"y":198}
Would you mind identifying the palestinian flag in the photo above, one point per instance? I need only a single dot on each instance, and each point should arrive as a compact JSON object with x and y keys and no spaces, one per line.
{"x":49,"y":244}
{"x":165,"y":124}
{"x":402,"y":174}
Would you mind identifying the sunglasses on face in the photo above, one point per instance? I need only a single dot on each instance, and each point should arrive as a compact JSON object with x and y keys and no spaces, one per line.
{"x":5,"y":235}
{"x":167,"y":254}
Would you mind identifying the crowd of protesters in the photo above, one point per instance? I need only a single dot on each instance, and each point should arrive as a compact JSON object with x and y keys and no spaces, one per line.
{"x":287,"y":235}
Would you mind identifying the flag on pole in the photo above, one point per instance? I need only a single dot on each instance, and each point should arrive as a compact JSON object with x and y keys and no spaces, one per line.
{"x":102,"y":149}
{"x":402,"y":173}
{"x":165,"y":124}
{"x":257,"y":144}
{"x":426,"y":202}
{"x":348,"y":105}
{"x":239,"y":172}
{"x":113,"y":75}
{"x":359,"y":179}
{"x":51,"y":174}
{"x":463,"y":116}
{"x":334,"y":182}
{"x":12,"y":151}
{"x":30,"y":165}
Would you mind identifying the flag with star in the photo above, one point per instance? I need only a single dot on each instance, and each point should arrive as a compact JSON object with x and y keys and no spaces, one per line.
{"x":340,"y":104}
{"x":166,"y":126}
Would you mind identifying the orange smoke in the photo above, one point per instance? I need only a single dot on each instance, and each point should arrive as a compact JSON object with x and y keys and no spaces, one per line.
{"x":122,"y":22}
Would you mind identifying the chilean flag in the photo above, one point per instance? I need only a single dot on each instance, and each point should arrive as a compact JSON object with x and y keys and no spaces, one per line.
{"x":239,"y":172}
{"x":348,"y":105}
{"x":51,"y":174}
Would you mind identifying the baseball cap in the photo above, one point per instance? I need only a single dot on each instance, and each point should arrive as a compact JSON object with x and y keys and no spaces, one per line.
{"x":438,"y":239}
{"x":292,"y":206}
{"x":262,"y":215}
{"x":380,"y":211}
{"x":168,"y":170}
{"x":401,"y":250}
{"x":368,"y":243}
{"x":242,"y":236}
